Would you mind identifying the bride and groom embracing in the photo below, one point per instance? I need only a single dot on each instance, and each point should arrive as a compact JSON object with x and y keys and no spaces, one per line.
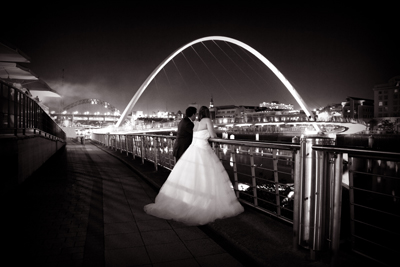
{"x":198,"y":190}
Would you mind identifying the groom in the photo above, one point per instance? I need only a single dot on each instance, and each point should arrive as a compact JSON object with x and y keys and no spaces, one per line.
{"x":185,"y":133}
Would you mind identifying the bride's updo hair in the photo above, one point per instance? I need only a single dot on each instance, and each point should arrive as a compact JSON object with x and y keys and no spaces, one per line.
{"x":204,"y":112}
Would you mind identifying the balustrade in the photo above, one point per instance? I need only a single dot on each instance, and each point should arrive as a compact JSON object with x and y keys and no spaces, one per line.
{"x":20,"y":114}
{"x":301,"y":183}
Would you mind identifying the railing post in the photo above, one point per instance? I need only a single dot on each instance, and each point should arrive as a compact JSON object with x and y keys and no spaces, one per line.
{"x":235,"y":176}
{"x":142,"y":148}
{"x":253,"y":178}
{"x":126,"y":145}
{"x":321,"y":194}
{"x":134,"y":147}
{"x":156,"y":151}
{"x":314,"y":173}
{"x":23,"y":100}
{"x":16,"y":104}
{"x":108,"y":140}
{"x":297,"y":198}
{"x":336,"y":170}
{"x":120,"y":142}
{"x":276,"y":180}
{"x":351,"y":200}
{"x":170,"y":148}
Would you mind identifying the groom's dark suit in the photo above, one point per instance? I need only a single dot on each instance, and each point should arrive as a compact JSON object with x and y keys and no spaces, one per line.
{"x":183,"y":137}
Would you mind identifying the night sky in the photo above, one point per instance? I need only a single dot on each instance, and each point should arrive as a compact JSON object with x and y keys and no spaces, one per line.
{"x":107,"y":52}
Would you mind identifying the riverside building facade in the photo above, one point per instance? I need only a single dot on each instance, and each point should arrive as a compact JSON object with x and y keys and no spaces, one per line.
{"x":387,"y":100}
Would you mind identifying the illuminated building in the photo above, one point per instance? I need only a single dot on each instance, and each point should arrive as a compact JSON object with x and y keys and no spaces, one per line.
{"x":232,"y":114}
{"x":358,"y":108}
{"x":276,"y":105}
{"x":212,"y":109}
{"x":387,"y":100}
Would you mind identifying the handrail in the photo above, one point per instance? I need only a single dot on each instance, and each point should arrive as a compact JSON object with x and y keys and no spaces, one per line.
{"x":230,"y":141}
{"x":20,"y":114}
{"x":360,"y":152}
{"x":275,"y":178}
{"x":252,"y":189}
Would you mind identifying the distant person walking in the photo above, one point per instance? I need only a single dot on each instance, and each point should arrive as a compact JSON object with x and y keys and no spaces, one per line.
{"x":185,"y":133}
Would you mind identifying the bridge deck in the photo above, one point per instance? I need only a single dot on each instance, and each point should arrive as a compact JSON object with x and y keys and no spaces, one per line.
{"x":84,"y":207}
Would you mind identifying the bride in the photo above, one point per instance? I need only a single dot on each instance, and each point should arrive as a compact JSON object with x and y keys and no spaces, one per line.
{"x":198,"y":190}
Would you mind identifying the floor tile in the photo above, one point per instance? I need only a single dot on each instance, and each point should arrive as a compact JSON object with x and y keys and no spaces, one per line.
{"x":153,"y":225}
{"x":118,"y":228}
{"x":178,"y":263}
{"x":168,"y":252}
{"x":218,"y":260}
{"x":135,"y":256}
{"x":142,"y":216}
{"x":160,"y":237}
{"x":202,"y":247}
{"x":190,"y":233}
{"x":125,"y":240}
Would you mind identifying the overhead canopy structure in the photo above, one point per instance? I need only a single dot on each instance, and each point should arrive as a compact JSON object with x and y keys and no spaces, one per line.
{"x":10,"y":70}
{"x":10,"y":54}
{"x":40,"y":89}
{"x":22,"y":77}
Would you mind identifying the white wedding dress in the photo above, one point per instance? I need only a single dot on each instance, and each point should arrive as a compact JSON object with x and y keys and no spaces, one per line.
{"x":198,"y":190}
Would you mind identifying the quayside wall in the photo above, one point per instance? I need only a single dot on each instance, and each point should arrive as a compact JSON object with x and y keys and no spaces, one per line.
{"x":22,"y":155}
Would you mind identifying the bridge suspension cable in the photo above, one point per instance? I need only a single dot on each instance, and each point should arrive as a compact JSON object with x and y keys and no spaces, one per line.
{"x":255,"y":71}
{"x":264,"y":60}
{"x":195,"y":72}
{"x":212,"y":73}
{"x":230,"y":74}
{"x":230,"y":58}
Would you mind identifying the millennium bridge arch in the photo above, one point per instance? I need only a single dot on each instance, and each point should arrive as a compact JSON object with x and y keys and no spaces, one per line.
{"x":93,"y":101}
{"x":278,"y":74}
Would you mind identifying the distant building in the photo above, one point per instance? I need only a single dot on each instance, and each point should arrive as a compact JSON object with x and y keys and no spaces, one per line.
{"x":358,"y":108}
{"x":232,"y":114}
{"x":228,"y":113}
{"x":329,"y":112}
{"x":387,"y":100}
{"x":276,"y":105}
{"x":212,"y":109}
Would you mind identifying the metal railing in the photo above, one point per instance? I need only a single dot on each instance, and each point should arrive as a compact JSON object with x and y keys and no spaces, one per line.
{"x":374,"y":199}
{"x":301,"y":183}
{"x":20,"y":114}
{"x":262,"y":173}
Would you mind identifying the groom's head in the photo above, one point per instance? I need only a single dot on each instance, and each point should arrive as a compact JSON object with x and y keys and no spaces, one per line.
{"x":191,"y":112}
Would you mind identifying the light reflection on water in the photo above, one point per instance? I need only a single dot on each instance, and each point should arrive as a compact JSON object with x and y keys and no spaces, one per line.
{"x":374,"y":175}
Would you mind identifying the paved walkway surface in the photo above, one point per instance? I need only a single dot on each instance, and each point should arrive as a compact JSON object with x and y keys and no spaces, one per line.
{"x":84,"y":207}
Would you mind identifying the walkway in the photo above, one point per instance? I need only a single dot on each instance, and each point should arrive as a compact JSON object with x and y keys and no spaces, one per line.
{"x":84,"y":207}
